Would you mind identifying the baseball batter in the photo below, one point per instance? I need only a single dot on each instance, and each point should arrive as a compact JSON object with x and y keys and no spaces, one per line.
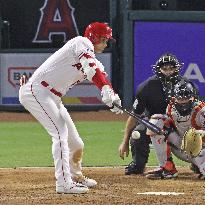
{"x":41,"y":96}
{"x":183,"y":113}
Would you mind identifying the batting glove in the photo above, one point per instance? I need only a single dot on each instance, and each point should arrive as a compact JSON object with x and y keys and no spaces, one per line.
{"x":108,"y":97}
{"x":118,"y":102}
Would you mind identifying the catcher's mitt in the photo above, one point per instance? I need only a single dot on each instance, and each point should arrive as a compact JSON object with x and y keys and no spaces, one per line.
{"x":192,"y":142}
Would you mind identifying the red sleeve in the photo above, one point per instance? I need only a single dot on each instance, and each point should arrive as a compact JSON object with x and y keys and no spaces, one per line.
{"x":100,"y":80}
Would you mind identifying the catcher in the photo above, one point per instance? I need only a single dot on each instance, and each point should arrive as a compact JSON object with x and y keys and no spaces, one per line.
{"x":185,"y":132}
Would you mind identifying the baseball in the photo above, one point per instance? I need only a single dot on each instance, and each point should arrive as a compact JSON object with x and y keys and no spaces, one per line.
{"x":135,"y":135}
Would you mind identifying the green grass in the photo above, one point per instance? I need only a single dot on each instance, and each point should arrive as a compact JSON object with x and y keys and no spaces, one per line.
{"x":28,"y":144}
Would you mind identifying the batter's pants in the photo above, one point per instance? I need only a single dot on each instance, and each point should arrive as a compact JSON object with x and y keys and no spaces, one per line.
{"x":67,"y":146}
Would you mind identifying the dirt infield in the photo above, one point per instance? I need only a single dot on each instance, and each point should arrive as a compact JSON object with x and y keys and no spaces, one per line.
{"x":37,"y":186}
{"x":25,"y":186}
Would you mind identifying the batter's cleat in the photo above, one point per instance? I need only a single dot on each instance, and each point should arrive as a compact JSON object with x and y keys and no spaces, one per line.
{"x":85,"y":181}
{"x":132,"y":168}
{"x":73,"y":188}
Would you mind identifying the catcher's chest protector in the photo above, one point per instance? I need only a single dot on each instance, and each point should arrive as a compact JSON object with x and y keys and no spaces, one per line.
{"x":196,"y":119}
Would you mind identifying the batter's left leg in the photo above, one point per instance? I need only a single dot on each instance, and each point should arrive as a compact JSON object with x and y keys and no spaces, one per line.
{"x":76,"y":146}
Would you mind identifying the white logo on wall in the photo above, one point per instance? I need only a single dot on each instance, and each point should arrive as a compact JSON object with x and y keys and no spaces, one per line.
{"x":193,"y":73}
{"x":14,"y":74}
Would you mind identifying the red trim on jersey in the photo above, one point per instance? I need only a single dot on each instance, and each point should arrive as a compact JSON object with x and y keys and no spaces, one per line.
{"x":169,"y":122}
{"x":53,"y":90}
{"x":99,"y":79}
{"x":86,"y":55}
{"x":193,"y":119}
{"x":168,"y":150}
{"x":92,"y":64}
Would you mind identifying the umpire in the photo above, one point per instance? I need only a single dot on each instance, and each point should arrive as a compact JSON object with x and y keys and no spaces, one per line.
{"x":152,"y":97}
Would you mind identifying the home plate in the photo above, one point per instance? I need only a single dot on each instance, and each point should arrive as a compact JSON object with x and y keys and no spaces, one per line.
{"x":161,"y":193}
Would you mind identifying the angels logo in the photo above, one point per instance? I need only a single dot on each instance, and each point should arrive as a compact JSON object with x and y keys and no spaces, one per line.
{"x":56,"y":19}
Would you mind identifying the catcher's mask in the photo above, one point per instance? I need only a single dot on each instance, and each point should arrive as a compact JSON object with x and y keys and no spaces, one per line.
{"x":184,"y":94}
{"x":167,"y":60}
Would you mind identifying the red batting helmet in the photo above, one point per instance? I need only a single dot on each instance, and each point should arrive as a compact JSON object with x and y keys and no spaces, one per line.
{"x":96,"y":30}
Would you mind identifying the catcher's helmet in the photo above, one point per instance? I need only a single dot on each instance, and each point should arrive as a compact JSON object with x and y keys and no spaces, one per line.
{"x":171,"y":60}
{"x":185,"y":90}
{"x":96,"y":30}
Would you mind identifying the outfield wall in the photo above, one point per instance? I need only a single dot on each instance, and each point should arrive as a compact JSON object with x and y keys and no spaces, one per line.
{"x":13,"y":65}
{"x":141,"y":37}
{"x":33,"y":32}
{"x":149,"y":34}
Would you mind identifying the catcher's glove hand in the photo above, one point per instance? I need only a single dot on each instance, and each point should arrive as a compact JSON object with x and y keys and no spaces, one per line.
{"x":192,"y":142}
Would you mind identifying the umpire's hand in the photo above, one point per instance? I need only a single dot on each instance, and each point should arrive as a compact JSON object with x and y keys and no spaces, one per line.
{"x":124,"y":150}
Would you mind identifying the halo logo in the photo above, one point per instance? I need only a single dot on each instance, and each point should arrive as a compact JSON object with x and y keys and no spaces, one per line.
{"x":56,"y":19}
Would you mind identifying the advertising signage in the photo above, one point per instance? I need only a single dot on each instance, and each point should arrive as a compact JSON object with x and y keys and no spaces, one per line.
{"x":183,"y":39}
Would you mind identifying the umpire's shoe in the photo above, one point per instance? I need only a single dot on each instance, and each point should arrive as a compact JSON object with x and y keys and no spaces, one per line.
{"x":73,"y":188}
{"x":167,"y":172}
{"x":132,"y":168}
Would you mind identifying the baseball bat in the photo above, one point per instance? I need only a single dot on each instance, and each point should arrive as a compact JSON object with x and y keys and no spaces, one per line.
{"x":146,"y":123}
{"x":149,"y":125}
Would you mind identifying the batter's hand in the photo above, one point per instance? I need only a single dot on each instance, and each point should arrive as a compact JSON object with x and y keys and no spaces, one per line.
{"x":109,"y":96}
{"x":123,"y":150}
{"x":117,"y":101}
{"x":23,"y":80}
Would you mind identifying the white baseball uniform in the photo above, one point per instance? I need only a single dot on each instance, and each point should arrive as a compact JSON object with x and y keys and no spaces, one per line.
{"x":195,"y":119}
{"x":41,"y":96}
